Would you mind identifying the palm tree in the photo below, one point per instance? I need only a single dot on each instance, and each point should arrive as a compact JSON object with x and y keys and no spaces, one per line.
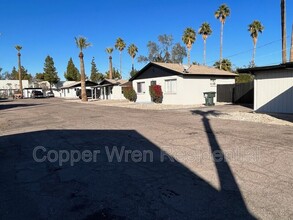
{"x":81,"y":43}
{"x":225,"y":65}
{"x":222,"y":13}
{"x":109,"y":51}
{"x":132,"y":50}
{"x":18,"y":48}
{"x":254,"y":28}
{"x":188,"y":38}
{"x":283,"y":26}
{"x":205,"y":31}
{"x":120,"y":45}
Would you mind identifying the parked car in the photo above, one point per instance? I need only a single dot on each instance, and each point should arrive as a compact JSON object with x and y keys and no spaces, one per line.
{"x":37,"y":94}
{"x":50,"y":94}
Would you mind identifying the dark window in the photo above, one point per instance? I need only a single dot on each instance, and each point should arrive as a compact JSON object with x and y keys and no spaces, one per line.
{"x":153,"y":83}
{"x":141,"y":87}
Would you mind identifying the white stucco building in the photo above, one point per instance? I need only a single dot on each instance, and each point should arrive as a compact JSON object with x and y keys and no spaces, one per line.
{"x":8,"y":87}
{"x":72,"y":90}
{"x":180,"y":84}
{"x":273,"y":88}
{"x":110,"y":89}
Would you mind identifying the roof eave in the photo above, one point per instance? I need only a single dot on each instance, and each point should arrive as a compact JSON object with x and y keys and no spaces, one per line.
{"x":253,"y":70}
{"x":154,"y":64}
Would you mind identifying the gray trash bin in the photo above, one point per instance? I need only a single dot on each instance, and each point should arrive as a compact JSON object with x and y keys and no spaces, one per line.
{"x":209,"y":98}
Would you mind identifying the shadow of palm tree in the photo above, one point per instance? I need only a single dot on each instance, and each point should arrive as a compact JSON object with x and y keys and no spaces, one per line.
{"x":156,"y":188}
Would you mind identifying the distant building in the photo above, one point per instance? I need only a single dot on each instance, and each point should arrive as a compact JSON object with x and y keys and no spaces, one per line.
{"x":72,"y":90}
{"x":110,"y":89}
{"x":8,"y":87}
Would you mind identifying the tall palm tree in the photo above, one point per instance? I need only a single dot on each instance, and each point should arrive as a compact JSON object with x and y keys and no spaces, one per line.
{"x":132,"y":50}
{"x":109,"y":51}
{"x":254,"y":28}
{"x":18,"y":48}
{"x":81,"y":43}
{"x":283,"y":25}
{"x":188,"y":38}
{"x":205,"y":31}
{"x":120,"y":45}
{"x":222,"y":13}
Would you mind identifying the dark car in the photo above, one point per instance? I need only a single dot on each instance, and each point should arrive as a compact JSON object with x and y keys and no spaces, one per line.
{"x":37,"y":94}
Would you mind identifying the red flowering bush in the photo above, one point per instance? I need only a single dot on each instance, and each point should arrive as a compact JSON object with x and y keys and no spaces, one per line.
{"x":156,"y":93}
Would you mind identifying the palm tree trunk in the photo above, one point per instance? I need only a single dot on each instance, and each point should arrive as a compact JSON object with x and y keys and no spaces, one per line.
{"x":283,"y":24}
{"x":132,"y":63}
{"x":82,"y":79}
{"x":188,"y":55}
{"x":291,"y":50}
{"x":19,"y":74}
{"x":204,"y":52}
{"x":110,"y":68}
{"x":221,"y":44}
{"x":254,"y":51}
{"x":120,"y":63}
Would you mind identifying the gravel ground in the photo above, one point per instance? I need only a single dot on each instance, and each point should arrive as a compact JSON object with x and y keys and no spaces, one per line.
{"x":239,"y":114}
{"x":253,"y":117}
{"x":135,"y":105}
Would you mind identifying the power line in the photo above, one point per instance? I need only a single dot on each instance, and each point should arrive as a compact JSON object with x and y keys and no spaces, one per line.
{"x":246,"y":51}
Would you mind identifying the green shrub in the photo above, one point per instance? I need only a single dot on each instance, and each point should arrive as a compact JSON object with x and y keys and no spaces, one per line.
{"x":156,"y":93}
{"x":244,"y":78}
{"x":130,"y":94}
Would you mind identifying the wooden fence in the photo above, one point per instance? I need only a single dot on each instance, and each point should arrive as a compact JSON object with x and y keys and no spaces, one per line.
{"x":241,"y":93}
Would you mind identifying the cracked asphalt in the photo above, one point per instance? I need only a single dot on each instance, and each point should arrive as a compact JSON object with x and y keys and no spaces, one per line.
{"x":174,"y":164}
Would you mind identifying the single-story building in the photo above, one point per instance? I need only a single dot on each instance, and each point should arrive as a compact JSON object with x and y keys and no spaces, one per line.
{"x":8,"y":87}
{"x":110,"y":89}
{"x":72,"y":90}
{"x":56,"y":88}
{"x":273,"y":88}
{"x":180,"y":84}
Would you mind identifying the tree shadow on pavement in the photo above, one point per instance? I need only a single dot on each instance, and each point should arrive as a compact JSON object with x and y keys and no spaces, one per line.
{"x":157,"y":187}
{"x":16,"y":105}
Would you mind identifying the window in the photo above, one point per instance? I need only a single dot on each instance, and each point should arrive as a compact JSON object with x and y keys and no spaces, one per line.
{"x":171,"y":86}
{"x":67,"y":90}
{"x":141,"y":87}
{"x":153,"y":83}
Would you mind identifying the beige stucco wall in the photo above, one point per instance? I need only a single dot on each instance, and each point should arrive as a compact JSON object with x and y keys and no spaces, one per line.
{"x":117,"y":93}
{"x":189,"y":89}
{"x":273,"y":91}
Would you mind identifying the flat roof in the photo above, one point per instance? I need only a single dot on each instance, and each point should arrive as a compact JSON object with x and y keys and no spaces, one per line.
{"x":254,"y":70}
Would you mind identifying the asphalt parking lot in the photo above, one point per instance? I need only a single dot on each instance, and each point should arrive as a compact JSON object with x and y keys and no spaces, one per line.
{"x":70,"y":160}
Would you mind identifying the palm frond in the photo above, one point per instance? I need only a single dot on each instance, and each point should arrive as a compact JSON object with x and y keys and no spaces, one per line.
{"x":82,"y":43}
{"x":132,"y":50}
{"x":18,"y":47}
{"x":189,"y":36}
{"x":120,"y":44}
{"x":109,"y":50}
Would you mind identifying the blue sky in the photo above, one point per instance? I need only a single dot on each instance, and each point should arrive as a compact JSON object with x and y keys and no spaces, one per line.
{"x":49,"y":27}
